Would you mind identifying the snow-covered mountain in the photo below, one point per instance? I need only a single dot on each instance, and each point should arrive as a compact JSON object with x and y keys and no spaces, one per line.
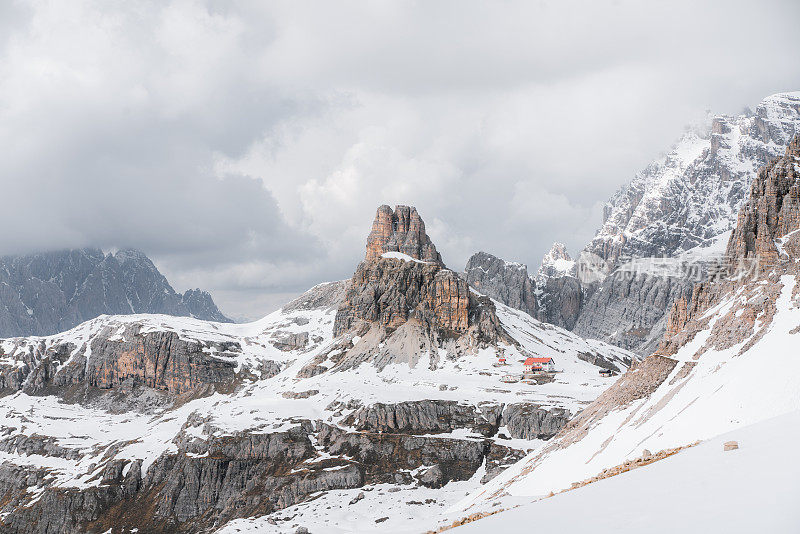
{"x":694,"y":192}
{"x":556,"y":263}
{"x":661,"y":231}
{"x":50,"y":292}
{"x":390,"y":384}
{"x":729,"y":358}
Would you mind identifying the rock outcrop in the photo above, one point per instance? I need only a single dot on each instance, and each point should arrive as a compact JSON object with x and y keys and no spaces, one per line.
{"x":557,"y":262}
{"x":529,"y":421}
{"x":203,"y":484}
{"x":522,"y":420}
{"x":503,"y":281}
{"x":41,"y":294}
{"x":560,"y":300}
{"x":389,"y":291}
{"x":119,"y":358}
{"x":425,"y":417}
{"x":627,"y":310}
{"x":401,"y":230}
{"x":771,"y":213}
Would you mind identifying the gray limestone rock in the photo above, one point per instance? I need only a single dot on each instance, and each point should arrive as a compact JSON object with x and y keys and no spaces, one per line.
{"x":630,"y":311}
{"x":503,"y":281}
{"x":425,"y":417}
{"x":560,"y":301}
{"x":41,"y":294}
{"x":529,"y":421}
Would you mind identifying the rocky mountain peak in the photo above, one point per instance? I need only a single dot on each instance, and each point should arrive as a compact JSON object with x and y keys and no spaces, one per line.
{"x":411,"y":286}
{"x":771,"y":216}
{"x":49,"y":292}
{"x":557,"y":262}
{"x":694,"y":192}
{"x":678,"y":210}
{"x":400,"y":230}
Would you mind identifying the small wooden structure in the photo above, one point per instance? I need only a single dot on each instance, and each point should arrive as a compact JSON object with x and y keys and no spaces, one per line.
{"x":508,"y":379}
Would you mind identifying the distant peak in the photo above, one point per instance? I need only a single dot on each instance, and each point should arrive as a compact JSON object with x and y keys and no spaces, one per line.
{"x":556,"y":263}
{"x":558,"y":252}
{"x":128,"y":254}
{"x":786,"y":95}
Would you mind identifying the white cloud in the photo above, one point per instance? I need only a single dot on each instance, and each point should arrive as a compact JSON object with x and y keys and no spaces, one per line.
{"x":246,"y":145}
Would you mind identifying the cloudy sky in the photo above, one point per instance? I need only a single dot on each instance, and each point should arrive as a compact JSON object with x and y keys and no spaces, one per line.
{"x":245,"y":146}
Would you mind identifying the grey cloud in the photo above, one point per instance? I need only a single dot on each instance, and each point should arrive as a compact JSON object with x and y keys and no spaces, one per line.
{"x":245,"y":146}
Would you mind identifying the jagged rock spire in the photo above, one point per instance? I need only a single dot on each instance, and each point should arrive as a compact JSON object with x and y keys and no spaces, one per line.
{"x":401,"y":230}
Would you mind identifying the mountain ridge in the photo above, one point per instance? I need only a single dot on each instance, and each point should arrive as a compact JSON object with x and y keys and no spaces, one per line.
{"x":733,"y":339}
{"x":49,"y":292}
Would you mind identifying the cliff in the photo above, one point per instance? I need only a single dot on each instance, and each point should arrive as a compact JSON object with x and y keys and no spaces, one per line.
{"x":503,"y":281}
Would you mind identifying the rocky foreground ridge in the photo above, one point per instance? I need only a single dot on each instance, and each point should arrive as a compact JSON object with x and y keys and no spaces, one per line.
{"x":386,"y":382}
{"x":728,"y":358}
{"x":45,"y":293}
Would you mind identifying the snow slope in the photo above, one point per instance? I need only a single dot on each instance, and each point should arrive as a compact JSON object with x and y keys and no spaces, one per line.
{"x":718,"y":383}
{"x":701,"y":489}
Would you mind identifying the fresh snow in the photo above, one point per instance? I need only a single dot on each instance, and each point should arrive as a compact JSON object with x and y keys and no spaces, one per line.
{"x":755,"y":488}
{"x":724,"y":391}
{"x":260,"y":405}
{"x":401,"y":256}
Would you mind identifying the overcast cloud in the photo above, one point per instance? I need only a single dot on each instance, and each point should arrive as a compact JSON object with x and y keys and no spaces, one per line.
{"x":245,"y":146}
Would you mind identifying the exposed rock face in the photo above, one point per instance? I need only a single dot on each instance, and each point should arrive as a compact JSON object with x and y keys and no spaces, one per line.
{"x":202,"y":484}
{"x":771,"y":212}
{"x":41,"y":294}
{"x":390,"y":291}
{"x":529,"y":421}
{"x":506,"y":282}
{"x":560,"y":300}
{"x":627,"y":309}
{"x":425,"y":417}
{"x":290,"y":342}
{"x":401,"y":230}
{"x":522,"y":420}
{"x":385,"y":456}
{"x":123,"y":357}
